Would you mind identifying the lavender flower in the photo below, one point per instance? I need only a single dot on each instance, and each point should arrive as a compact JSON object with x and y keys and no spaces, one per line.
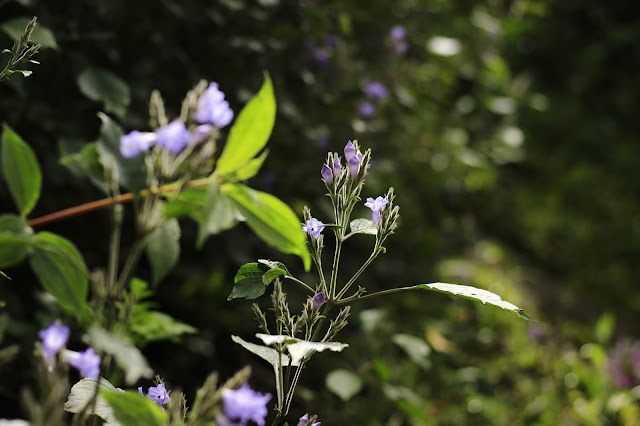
{"x":174,"y":137}
{"x":376,"y":207}
{"x":87,"y":362}
{"x":200,"y":133}
{"x":327,"y":174}
{"x":53,"y":339}
{"x":313,"y":227}
{"x":305,"y":419}
{"x":212,"y":108}
{"x":318,"y":300}
{"x":349,"y":151}
{"x":336,"y":167}
{"x":157,"y":394}
{"x":135,"y":143}
{"x":398,"y":32}
{"x":367,"y":109}
{"x":375,"y":90}
{"x":243,"y":405}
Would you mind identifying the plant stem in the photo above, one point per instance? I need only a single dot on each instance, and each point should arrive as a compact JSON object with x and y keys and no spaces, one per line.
{"x":289,"y":277}
{"x":357,"y":274}
{"x":132,"y":261}
{"x":368,"y":296}
{"x":106,"y":202}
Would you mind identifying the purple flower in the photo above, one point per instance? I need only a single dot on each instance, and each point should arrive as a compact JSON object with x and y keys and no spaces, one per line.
{"x":349,"y":151}
{"x":243,"y":405}
{"x":212,"y":108}
{"x":200,"y":133}
{"x":354,"y":164}
{"x":398,"y":32}
{"x":321,"y":56}
{"x":174,"y":137}
{"x":322,"y":142}
{"x":313,"y":227}
{"x":624,"y":363}
{"x":375,"y":90}
{"x":135,"y":143}
{"x":305,"y":419}
{"x":336,"y":167}
{"x":318,"y":300}
{"x":140,"y":390}
{"x":53,"y":339}
{"x":157,"y":394}
{"x":367,"y":109}
{"x":87,"y":362}
{"x":327,"y":174}
{"x":376,"y":206}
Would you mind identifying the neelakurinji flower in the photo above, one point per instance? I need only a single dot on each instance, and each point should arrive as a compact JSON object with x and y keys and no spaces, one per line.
{"x":53,"y":339}
{"x":353,"y":158}
{"x":376,"y":207}
{"x":313,"y":227}
{"x":305,"y":419}
{"x":135,"y":143}
{"x":158,"y":394}
{"x":375,"y":90}
{"x":200,"y":133}
{"x":327,"y":174}
{"x":87,"y":362}
{"x":318,"y":300}
{"x":243,"y":405}
{"x":212,"y":108}
{"x":349,"y":151}
{"x":174,"y":137}
{"x":336,"y":167}
{"x":398,"y":32}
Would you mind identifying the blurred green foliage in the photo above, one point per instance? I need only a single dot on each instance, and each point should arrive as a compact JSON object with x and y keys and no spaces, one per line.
{"x":509,"y":136}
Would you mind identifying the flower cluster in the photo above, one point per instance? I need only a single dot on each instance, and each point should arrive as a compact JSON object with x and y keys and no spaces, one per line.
{"x":243,"y":405}
{"x":157,"y":394}
{"x":54,"y":338}
{"x":212,"y":112}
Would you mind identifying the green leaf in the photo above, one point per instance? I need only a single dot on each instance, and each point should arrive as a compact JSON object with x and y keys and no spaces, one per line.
{"x":163,"y":249}
{"x":15,"y":239}
{"x":41,"y":35}
{"x":252,"y":167}
{"x":343,"y":383}
{"x":131,"y":408}
{"x":250,"y":132}
{"x":127,"y":356}
{"x":83,"y":160}
{"x":271,"y":219}
{"x":472,"y":293}
{"x":416,"y":347}
{"x":363,"y":226}
{"x":103,"y":86}
{"x":298,"y":348}
{"x":130,"y":172}
{"x":278,"y":269}
{"x":189,"y":202}
{"x":149,"y":326}
{"x":60,"y":269}
{"x":81,"y":396}
{"x":217,"y":215}
{"x":248,"y":282}
{"x":21,"y":171}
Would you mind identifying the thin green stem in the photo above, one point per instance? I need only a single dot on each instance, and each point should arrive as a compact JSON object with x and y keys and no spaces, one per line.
{"x":358,"y":273}
{"x":132,"y":261}
{"x":368,"y":296}
{"x":289,"y":277}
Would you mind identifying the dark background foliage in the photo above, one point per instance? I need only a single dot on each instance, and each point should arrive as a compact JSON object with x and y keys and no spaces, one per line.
{"x":514,"y":160}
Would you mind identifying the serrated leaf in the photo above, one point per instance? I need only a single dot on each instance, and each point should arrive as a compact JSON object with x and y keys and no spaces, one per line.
{"x":472,"y":293}
{"x":130,"y":172}
{"x":41,"y":35}
{"x":218,"y":213}
{"x":81,"y":396}
{"x":104,"y":86}
{"x":61,"y":270}
{"x":363,"y":226}
{"x":21,"y":171}
{"x":131,"y":408}
{"x":15,"y":239}
{"x":163,"y":249}
{"x":250,"y":132}
{"x":343,"y":383}
{"x":127,"y":356}
{"x":248,"y":282}
{"x":271,"y":219}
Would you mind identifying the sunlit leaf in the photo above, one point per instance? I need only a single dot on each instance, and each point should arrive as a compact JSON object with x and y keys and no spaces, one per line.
{"x":416,"y":347}
{"x":21,"y":171}
{"x":250,"y":132}
{"x":131,"y":408}
{"x":81,"y":398}
{"x":363,"y":226}
{"x":150,"y":326}
{"x":343,"y":383}
{"x":252,"y":168}
{"x":271,"y":219}
{"x":218,"y":213}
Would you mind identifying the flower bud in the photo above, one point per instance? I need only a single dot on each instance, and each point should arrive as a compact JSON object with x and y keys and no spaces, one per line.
{"x":354,"y":166}
{"x":349,"y":151}
{"x":318,"y":300}
{"x":327,"y":174}
{"x":336,"y":167}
